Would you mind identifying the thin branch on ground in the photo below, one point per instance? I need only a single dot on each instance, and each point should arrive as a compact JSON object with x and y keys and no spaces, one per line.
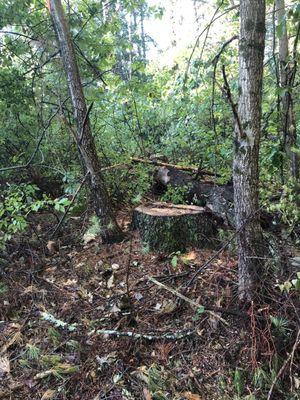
{"x":192,"y":303}
{"x":148,"y":336}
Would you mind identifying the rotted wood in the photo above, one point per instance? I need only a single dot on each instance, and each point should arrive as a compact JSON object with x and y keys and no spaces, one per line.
{"x":168,"y":228}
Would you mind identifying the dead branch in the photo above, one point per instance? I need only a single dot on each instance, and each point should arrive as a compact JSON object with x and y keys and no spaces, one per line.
{"x":15,"y":167}
{"x":192,"y":303}
{"x":289,"y":358}
{"x":69,"y":206}
{"x":148,"y":336}
{"x":227,"y":91}
{"x":179,"y":167}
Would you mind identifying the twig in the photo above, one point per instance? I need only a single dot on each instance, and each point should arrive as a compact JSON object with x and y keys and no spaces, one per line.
{"x":189,"y":301}
{"x":199,"y":36}
{"x":85,"y":120}
{"x":15,"y":167}
{"x":69,"y":206}
{"x":227,"y":92}
{"x":290,"y":357}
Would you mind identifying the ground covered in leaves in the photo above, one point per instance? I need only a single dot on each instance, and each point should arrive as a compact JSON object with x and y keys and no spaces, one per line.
{"x":83,"y":321}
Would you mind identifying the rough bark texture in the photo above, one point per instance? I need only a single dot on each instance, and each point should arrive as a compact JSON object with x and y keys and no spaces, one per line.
{"x":245,"y":166}
{"x":287,"y":117}
{"x":169,"y":228}
{"x":110,"y":230}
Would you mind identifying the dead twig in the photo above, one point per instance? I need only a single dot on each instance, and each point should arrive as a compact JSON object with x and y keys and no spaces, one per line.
{"x":280,"y":372}
{"x":193,"y":303}
{"x":70,"y":205}
{"x":227,"y":91}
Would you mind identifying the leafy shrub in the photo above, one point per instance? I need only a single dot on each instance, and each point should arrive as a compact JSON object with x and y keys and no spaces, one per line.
{"x":17,"y":202}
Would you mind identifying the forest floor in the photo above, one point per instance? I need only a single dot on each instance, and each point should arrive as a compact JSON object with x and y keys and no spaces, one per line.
{"x":53,"y":307}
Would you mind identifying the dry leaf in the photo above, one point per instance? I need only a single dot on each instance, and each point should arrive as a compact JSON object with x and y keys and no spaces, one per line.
{"x":89,"y":237}
{"x":16,"y":337}
{"x":110,"y":282}
{"x":147,"y":394}
{"x":52,"y":247}
{"x":191,"y":396}
{"x":189,"y":257}
{"x":4,"y":365}
{"x":48,"y":395}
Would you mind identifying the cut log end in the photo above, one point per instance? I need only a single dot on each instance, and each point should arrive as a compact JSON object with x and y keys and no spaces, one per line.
{"x":168,"y":228}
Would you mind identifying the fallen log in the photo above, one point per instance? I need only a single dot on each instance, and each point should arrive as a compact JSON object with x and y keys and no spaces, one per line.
{"x":219,"y":198}
{"x":168,"y":228}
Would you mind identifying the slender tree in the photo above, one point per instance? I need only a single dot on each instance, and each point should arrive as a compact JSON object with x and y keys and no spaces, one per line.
{"x":110,"y":230}
{"x":247,"y":139}
{"x":286,"y":77}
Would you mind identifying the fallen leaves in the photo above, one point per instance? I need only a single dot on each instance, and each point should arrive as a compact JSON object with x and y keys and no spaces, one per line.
{"x":4,"y":366}
{"x":191,"y":396}
{"x":49,"y":394}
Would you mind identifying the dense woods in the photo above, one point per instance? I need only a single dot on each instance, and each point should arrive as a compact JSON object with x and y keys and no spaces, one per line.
{"x":149,"y":199}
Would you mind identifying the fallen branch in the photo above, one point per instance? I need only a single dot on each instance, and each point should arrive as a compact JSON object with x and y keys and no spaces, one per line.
{"x":147,"y":336}
{"x":290,"y":358}
{"x":179,"y":167}
{"x":193,"y":303}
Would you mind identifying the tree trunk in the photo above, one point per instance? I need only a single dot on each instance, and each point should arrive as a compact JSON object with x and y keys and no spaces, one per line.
{"x":110,"y":230}
{"x":287,"y":117}
{"x":247,"y":139}
{"x":143,"y":34}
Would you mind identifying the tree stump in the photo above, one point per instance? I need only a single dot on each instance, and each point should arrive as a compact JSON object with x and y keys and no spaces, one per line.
{"x":168,"y":228}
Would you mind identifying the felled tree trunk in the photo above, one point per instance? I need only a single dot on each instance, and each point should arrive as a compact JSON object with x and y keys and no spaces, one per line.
{"x":219,"y":198}
{"x":168,"y":228}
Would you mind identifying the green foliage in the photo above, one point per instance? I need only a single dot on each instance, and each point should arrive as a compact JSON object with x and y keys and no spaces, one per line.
{"x":288,"y":206}
{"x":292,"y":285}
{"x":3,"y":289}
{"x":176,"y":194}
{"x":17,"y":202}
{"x":239,"y":381}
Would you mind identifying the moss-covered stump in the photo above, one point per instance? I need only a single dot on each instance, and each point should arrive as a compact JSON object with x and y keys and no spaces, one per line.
{"x":168,"y":228}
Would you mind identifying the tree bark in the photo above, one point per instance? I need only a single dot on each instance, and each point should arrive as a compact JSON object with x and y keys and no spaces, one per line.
{"x":110,"y":231}
{"x":287,"y":114}
{"x":168,"y":227}
{"x":247,"y":139}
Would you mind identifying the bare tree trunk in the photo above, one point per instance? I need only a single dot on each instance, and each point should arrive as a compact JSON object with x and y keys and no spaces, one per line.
{"x":288,"y":122}
{"x":110,"y":230}
{"x":247,"y":139}
{"x":143,"y":34}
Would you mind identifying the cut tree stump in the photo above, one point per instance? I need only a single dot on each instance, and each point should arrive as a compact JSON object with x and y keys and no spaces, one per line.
{"x":168,"y":228}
